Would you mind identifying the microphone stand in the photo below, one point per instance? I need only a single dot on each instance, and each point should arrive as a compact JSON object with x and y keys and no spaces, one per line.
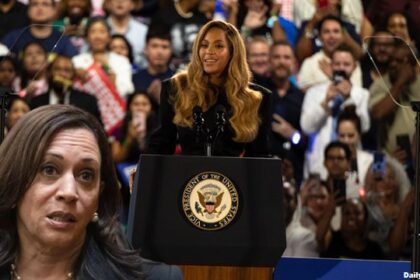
{"x":200,"y":128}
{"x":5,"y":93}
{"x":220,"y":122}
{"x":415,"y":262}
{"x":209,"y":143}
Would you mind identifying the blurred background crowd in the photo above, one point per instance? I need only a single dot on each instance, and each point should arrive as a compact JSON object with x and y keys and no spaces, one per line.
{"x":342,"y":75}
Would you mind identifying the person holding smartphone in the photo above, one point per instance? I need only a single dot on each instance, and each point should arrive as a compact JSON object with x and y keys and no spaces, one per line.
{"x":349,"y":131}
{"x":387,"y":187}
{"x":131,"y":139}
{"x":72,"y":19}
{"x":402,"y":83}
{"x":337,"y":162}
{"x":350,"y":241}
{"x":323,"y":103}
{"x":313,"y":204}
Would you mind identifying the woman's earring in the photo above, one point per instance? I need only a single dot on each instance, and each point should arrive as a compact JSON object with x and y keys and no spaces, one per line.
{"x":95,"y":217}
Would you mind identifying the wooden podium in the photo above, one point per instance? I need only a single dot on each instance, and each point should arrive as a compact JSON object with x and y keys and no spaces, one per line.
{"x":192,"y":272}
{"x":172,"y":197}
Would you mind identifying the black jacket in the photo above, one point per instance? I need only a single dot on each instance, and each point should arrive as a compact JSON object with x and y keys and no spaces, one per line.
{"x":94,"y":256}
{"x":78,"y":99}
{"x":165,"y":138}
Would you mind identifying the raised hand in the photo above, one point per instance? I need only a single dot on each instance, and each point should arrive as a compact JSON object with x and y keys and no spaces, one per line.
{"x":325,"y":66}
{"x":256,"y":16}
{"x":344,"y":88}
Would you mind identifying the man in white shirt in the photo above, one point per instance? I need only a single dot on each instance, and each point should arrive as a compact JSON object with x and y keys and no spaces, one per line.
{"x":323,"y":102}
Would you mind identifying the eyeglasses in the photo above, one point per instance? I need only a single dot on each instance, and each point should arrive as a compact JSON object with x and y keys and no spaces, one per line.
{"x":258,"y":55}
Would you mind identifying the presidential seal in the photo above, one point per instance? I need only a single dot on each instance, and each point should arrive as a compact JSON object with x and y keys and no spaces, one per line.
{"x":210,"y":201}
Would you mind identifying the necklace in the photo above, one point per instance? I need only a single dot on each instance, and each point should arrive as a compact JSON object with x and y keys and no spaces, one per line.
{"x":15,"y":276}
{"x":181,"y":12}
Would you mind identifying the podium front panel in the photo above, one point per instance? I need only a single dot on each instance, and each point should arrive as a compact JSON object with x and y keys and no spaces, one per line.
{"x":158,"y":226}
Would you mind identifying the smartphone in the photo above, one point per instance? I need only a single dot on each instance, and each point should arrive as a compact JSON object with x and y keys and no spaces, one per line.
{"x":339,"y":76}
{"x":378,"y":165}
{"x":339,"y":190}
{"x":75,"y":20}
{"x":139,"y":118}
{"x":316,"y":177}
{"x":403,"y":141}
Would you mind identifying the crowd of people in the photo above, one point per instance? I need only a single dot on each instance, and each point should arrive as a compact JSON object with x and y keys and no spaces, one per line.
{"x":324,"y":85}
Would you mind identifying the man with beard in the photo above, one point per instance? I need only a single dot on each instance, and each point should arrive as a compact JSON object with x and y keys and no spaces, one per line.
{"x":13,"y":15}
{"x":287,"y":139}
{"x":316,"y":69}
{"x":41,"y":14}
{"x":323,"y":103}
{"x":72,"y":21}
{"x":403,"y":85}
{"x":60,"y":78}
{"x":381,"y":47}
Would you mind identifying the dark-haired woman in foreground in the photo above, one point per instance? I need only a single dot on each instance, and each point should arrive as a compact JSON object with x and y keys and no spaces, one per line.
{"x":59,"y":203}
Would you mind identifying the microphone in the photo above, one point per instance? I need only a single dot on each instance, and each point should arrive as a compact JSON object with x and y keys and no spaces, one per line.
{"x":220,"y":118}
{"x":220,"y":122}
{"x":198,"y":122}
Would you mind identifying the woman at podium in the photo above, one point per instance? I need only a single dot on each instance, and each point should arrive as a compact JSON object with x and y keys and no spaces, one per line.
{"x":212,"y":108}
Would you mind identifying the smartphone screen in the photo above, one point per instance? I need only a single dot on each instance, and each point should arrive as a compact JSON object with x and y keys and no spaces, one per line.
{"x":339,"y":76}
{"x":378,"y":165}
{"x":339,"y":190}
{"x":139,"y":118}
{"x":403,"y":141}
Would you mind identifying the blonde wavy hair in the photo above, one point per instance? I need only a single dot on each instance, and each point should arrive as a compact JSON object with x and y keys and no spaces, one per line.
{"x":194,"y":89}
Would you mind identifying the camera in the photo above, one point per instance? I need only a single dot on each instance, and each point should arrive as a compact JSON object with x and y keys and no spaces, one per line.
{"x":339,"y":190}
